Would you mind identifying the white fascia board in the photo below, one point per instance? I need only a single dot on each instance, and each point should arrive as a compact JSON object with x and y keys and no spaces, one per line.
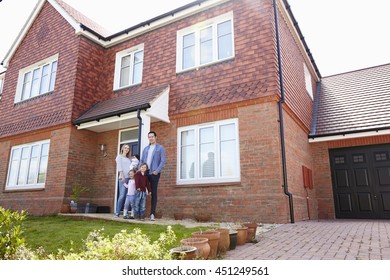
{"x":22,"y":33}
{"x":108,"y":120}
{"x":350,"y":136}
{"x":155,"y":24}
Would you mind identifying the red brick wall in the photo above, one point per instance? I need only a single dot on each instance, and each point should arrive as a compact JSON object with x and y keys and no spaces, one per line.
{"x":258,"y":197}
{"x":322,"y":173}
{"x":49,"y":34}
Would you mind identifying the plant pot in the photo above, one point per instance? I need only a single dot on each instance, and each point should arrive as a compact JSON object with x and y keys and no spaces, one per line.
{"x":65,"y":208}
{"x":213,"y":239}
{"x":184,"y":252}
{"x":242,"y":233}
{"x":233,"y":240}
{"x":202,"y":217}
{"x":251,"y":232}
{"x":224,"y":240}
{"x":202,"y":245}
{"x":178,"y":216}
{"x":73,"y":207}
{"x":158,"y":215}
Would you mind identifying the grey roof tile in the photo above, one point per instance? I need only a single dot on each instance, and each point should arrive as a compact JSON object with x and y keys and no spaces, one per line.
{"x":353,"y":102}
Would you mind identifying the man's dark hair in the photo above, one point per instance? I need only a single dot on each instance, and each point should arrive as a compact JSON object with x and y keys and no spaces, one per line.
{"x":152,"y":132}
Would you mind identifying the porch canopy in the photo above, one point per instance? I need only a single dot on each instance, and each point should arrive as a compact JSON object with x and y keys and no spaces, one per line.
{"x":121,"y":112}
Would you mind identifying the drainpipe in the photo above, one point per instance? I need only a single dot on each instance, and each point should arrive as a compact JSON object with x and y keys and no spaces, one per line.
{"x":139,"y":130}
{"x":280,"y":103}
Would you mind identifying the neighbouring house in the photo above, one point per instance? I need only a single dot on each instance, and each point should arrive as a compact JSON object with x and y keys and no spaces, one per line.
{"x":251,"y":129}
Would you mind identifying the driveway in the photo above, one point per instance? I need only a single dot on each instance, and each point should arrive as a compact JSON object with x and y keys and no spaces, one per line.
{"x":320,"y":240}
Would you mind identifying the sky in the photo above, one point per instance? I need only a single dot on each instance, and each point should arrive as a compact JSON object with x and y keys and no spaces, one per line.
{"x":342,"y":35}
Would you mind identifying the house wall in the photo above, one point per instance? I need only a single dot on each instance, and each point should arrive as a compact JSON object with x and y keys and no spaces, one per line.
{"x":322,"y":172}
{"x":49,"y":34}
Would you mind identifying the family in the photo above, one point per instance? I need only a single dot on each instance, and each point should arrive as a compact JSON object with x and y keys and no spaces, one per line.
{"x":139,"y":178}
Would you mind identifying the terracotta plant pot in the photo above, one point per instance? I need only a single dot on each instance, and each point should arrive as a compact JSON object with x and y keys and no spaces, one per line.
{"x":178,"y":216}
{"x":202,"y":217}
{"x":184,"y":252}
{"x":158,"y":215}
{"x":213,"y":237}
{"x":65,"y":208}
{"x":233,"y":240}
{"x":224,"y":240}
{"x":252,"y":228}
{"x":242,"y":233}
{"x":202,"y":245}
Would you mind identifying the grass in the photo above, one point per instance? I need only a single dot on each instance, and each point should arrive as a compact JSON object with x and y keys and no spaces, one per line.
{"x":58,"y":232}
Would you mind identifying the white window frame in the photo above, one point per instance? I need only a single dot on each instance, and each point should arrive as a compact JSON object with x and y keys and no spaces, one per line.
{"x":196,"y":29}
{"x":36,"y":67}
{"x":25,"y":185}
{"x":118,"y":64}
{"x":308,"y":81}
{"x":217,"y":178}
{"x":2,"y":75}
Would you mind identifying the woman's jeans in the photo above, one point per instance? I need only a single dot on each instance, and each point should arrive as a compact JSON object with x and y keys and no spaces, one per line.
{"x":139,"y":204}
{"x":121,"y":197}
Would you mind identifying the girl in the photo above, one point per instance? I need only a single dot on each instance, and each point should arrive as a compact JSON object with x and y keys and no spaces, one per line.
{"x":142,"y":186}
{"x":129,"y":203}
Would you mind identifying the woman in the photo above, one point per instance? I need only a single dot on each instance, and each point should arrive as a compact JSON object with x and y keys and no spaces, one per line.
{"x":123,"y":166}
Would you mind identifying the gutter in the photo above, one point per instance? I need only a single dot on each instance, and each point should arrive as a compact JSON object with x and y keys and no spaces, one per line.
{"x":280,"y":103}
{"x":111,"y":114}
{"x":142,"y":24}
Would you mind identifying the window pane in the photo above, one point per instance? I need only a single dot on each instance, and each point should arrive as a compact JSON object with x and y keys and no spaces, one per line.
{"x":129,"y":135}
{"x":189,"y":51}
{"x":125,"y":71}
{"x":36,"y":82}
{"x":138,"y":63}
{"x":32,"y":172}
{"x":228,"y":159}
{"x":13,"y":173}
{"x":206,"y":45}
{"x":53,"y":75}
{"x":187,"y":161}
{"x":228,"y":132}
{"x":26,"y":86}
{"x":45,"y":79}
{"x":207,"y":153}
{"x":23,"y":166}
{"x":43,"y":163}
{"x":225,"y":41}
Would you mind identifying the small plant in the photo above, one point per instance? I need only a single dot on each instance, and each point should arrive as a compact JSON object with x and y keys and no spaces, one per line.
{"x":10,"y":233}
{"x":77,"y":191}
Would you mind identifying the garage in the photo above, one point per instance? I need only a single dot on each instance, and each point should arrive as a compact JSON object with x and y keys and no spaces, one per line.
{"x":361,"y":182}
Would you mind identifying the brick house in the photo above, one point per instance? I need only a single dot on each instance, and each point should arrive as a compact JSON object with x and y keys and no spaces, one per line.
{"x":205,"y":77}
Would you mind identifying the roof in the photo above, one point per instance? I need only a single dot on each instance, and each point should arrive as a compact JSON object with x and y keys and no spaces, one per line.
{"x":82,"y":19}
{"x":353,"y":102}
{"x":121,"y":104}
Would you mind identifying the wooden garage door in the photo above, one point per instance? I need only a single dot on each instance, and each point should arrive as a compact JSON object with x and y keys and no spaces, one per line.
{"x":361,"y":182}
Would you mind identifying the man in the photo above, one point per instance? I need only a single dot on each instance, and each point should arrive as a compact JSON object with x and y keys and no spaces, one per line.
{"x":154,"y":156}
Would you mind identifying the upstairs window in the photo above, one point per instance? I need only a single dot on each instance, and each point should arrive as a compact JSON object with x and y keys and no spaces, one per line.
{"x":209,"y":153}
{"x":1,"y":84}
{"x":37,"y":79}
{"x":205,"y":43}
{"x":128,"y":67}
{"x":28,"y":166}
{"x":308,"y":83}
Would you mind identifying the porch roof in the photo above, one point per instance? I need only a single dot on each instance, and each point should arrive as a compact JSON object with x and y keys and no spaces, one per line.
{"x":113,"y":113}
{"x":353,"y":103}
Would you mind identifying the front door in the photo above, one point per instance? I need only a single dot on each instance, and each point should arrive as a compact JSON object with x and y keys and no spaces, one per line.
{"x":126,"y":137}
{"x":361,"y":182}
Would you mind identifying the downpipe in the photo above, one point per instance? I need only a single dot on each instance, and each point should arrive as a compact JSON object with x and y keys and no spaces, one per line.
{"x":281,"y":127}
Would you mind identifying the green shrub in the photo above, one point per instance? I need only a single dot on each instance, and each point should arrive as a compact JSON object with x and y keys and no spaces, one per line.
{"x":10,"y":233}
{"x":123,"y":246}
